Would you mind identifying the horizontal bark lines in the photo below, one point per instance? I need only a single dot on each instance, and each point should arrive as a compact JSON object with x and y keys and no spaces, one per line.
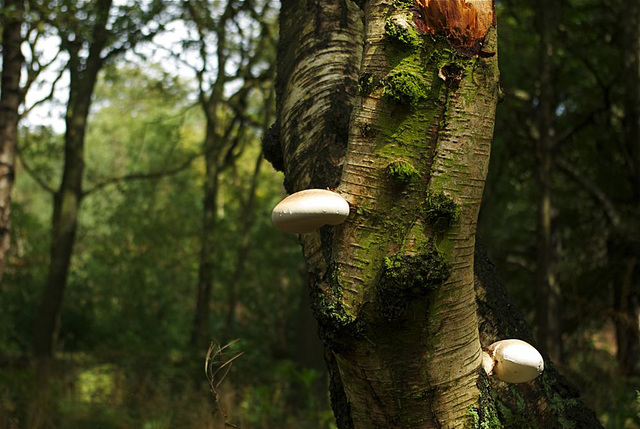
{"x":417,"y":114}
{"x":459,"y":170}
{"x":319,"y":61}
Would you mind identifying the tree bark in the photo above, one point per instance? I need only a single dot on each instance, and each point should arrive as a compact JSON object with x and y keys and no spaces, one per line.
{"x":10,"y":100}
{"x":393,"y":105}
{"x":548,"y":402}
{"x":68,"y":197}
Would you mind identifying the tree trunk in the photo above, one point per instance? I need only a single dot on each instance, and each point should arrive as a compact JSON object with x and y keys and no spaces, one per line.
{"x":247,"y":218}
{"x":199,"y":335}
{"x":627,"y":286}
{"x":548,"y":402}
{"x":626,"y":307}
{"x":394,"y":107}
{"x":10,"y":101}
{"x":68,"y":197}
{"x":212,"y":146}
{"x":548,"y":294}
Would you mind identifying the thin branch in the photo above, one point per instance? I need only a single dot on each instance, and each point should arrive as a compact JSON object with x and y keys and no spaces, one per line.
{"x":142,"y":176}
{"x":588,"y":185}
{"x":48,"y":97}
{"x":33,"y":174}
{"x":571,"y":131}
{"x":216,"y":368}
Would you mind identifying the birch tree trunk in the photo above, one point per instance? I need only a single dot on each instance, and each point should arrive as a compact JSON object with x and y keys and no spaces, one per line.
{"x":10,"y":101}
{"x":392,"y":104}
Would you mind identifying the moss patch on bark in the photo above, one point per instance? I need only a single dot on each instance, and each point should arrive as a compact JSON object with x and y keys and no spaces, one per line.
{"x":408,"y":277}
{"x":485,"y":414}
{"x":402,"y":172}
{"x":440,"y":211}
{"x":401,"y":32}
{"x":365,"y":84}
{"x":405,"y":88}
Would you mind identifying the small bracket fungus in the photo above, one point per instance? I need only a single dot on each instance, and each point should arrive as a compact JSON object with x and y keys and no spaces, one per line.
{"x":513,"y":361}
{"x":308,"y":210}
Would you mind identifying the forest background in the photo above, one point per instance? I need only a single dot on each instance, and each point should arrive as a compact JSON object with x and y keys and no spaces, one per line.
{"x":174,"y":245}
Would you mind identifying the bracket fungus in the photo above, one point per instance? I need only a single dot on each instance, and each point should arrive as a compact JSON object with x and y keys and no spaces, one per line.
{"x":308,"y":210}
{"x":513,"y":361}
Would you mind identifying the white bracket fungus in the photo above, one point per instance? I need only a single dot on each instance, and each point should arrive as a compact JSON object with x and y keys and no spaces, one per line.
{"x":308,"y":210}
{"x":513,"y":361}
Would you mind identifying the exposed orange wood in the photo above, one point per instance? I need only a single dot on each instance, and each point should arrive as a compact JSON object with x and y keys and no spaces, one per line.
{"x":464,"y":22}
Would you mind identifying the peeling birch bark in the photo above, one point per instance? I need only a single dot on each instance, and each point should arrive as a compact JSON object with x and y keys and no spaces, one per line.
{"x":399,"y":122}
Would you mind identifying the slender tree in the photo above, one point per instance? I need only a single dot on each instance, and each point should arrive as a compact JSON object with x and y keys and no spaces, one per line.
{"x":89,"y":43}
{"x":627,"y":242}
{"x":225,"y":116}
{"x":548,"y":294}
{"x":10,"y":101}
{"x":612,"y":180}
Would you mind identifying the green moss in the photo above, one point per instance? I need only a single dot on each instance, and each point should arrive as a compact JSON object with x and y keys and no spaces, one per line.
{"x":484,"y":415}
{"x":561,"y":406}
{"x":403,"y":4}
{"x":514,"y":419}
{"x":402,"y":133}
{"x":405,"y":88}
{"x":481,"y":419}
{"x":331,"y":314}
{"x":408,"y":277}
{"x":365,"y":84}
{"x":402,"y":172}
{"x":402,"y":34}
{"x":440,"y":211}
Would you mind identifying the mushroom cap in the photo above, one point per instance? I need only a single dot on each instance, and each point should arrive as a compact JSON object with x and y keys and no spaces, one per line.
{"x":515,"y":361}
{"x":308,"y":210}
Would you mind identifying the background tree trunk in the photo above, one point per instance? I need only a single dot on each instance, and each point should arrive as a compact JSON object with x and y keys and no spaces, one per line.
{"x":627,"y":246}
{"x":199,"y":335}
{"x":548,"y":294}
{"x":11,"y":98}
{"x":67,"y":199}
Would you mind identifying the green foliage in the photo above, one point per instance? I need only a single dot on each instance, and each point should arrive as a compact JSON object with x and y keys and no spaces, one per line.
{"x":128,"y":309}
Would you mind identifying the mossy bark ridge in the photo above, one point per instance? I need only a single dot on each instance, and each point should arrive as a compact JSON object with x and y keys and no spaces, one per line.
{"x":392,"y":287}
